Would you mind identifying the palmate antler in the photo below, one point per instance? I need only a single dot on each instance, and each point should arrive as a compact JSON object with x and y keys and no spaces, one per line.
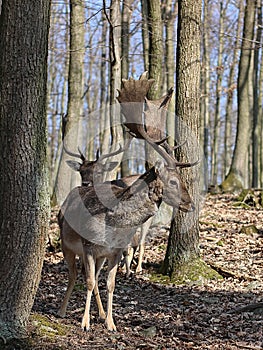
{"x":145,"y":119}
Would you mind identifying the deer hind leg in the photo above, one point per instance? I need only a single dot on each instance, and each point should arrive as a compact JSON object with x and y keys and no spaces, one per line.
{"x":128,"y":254}
{"x":112,"y":269}
{"x":99,"y":264}
{"x":144,"y":230}
{"x":70,"y":258}
{"x":90,"y":280}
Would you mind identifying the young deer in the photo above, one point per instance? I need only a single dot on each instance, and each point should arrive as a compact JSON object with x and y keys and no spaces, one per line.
{"x":87,"y":169}
{"x":97,"y":223}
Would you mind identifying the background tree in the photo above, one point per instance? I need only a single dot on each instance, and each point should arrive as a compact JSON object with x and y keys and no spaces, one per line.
{"x":75,"y":94}
{"x":24,"y":212}
{"x":182,"y":255}
{"x":237,"y":177}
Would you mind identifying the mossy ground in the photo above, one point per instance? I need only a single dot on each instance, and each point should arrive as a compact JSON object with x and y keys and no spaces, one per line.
{"x":193,"y":272}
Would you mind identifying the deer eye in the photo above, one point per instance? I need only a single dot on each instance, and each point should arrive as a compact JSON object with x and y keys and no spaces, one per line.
{"x":174,"y":183}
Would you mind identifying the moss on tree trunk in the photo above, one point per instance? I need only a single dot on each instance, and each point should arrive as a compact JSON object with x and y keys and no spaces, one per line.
{"x":232,"y":183}
{"x":195,"y":270}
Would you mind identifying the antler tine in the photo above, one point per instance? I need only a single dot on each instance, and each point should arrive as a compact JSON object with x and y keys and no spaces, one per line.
{"x":77,"y":155}
{"x":82,"y":157}
{"x":171,"y":161}
{"x":178,"y":146}
{"x":120,"y":150}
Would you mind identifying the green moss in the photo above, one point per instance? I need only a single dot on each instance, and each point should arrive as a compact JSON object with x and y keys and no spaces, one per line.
{"x":159,"y":278}
{"x":249,"y":230}
{"x":194,"y":272}
{"x":47,"y":328}
{"x":232,"y":183}
{"x":209,"y":223}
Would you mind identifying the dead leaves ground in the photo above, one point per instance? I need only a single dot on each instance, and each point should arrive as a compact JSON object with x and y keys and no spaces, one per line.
{"x":223,"y":314}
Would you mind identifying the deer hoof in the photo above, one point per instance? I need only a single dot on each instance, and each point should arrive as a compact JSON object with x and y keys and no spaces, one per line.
{"x":111,"y":326}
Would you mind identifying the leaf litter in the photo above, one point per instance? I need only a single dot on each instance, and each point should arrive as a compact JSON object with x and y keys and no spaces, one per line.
{"x":215,"y":314}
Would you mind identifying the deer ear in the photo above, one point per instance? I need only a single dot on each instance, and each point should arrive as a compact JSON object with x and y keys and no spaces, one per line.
{"x":110,"y":166}
{"x":73,"y":164}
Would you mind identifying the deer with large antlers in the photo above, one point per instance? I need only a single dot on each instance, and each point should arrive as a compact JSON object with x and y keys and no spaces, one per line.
{"x":98,"y":226}
{"x":97,"y":222}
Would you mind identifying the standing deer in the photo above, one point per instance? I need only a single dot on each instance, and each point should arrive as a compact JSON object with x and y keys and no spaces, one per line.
{"x":89,"y":169}
{"x":97,"y":222}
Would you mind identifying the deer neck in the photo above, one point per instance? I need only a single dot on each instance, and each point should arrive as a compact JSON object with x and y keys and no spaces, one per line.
{"x":138,"y":202}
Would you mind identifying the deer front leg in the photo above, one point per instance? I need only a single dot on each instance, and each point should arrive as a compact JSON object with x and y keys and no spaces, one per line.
{"x":71,"y":262}
{"x":90,"y":280}
{"x":112,"y":269}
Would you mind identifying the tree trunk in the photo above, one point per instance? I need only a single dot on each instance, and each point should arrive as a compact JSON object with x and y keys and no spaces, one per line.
{"x":260,"y":117}
{"x":67,"y":179}
{"x":217,"y":122}
{"x":236,"y":178}
{"x":24,"y":212}
{"x":155,"y":29}
{"x":256,"y":125}
{"x":116,"y":138}
{"x":125,"y":65}
{"x":170,"y":12}
{"x":205,"y":83}
{"x":145,"y":34}
{"x":230,"y":93}
{"x":182,"y":256}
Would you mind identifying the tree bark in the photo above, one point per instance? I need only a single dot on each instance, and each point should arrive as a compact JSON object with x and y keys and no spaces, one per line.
{"x":217,"y":122}
{"x":24,"y":212}
{"x":205,"y":112}
{"x":256,"y":125}
{"x":67,"y":179}
{"x":230,"y":93}
{"x":155,"y":29}
{"x":116,"y":137}
{"x":125,"y":66}
{"x":170,"y":12}
{"x":183,"y":241}
{"x":236,"y":178}
{"x":145,"y":34}
{"x":156,"y":53}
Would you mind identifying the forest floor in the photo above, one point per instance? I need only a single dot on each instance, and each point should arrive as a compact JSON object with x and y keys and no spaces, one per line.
{"x":216,"y":314}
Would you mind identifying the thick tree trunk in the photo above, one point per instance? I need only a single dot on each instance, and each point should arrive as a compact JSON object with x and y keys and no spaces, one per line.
{"x":24,"y":201}
{"x":182,"y":256}
{"x":236,"y":178}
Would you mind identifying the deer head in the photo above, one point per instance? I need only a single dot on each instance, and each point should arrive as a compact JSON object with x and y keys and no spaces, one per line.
{"x":89,"y":169}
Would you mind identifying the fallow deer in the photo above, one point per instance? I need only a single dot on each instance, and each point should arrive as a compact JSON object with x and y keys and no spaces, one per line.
{"x":98,"y":226}
{"x":97,"y":222}
{"x":90,"y":169}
